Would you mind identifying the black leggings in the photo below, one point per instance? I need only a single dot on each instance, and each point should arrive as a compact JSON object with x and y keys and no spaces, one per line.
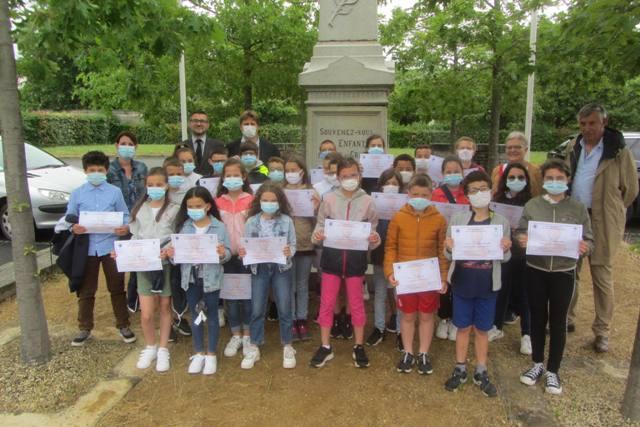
{"x":549,"y":298}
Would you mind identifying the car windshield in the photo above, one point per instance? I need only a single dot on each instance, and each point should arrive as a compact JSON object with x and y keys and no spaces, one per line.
{"x":634,"y":145}
{"x":36,"y":159}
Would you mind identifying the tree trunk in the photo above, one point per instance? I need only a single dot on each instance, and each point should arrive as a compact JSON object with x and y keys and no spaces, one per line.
{"x":496,"y":110}
{"x":247,"y":73}
{"x":35,"y":344}
{"x":631,"y":401}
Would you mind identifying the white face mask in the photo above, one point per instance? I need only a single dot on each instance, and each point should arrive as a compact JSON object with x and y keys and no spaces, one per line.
{"x":422,"y":164}
{"x":349,"y":184}
{"x":465,"y":154}
{"x":390,"y":188}
{"x":481,"y":199}
{"x":332,"y":179}
{"x":293,"y":178}
{"x":249,"y":131}
{"x":406,"y":176}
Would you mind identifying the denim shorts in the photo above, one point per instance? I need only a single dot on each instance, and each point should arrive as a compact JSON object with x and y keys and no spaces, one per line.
{"x":479,"y":312}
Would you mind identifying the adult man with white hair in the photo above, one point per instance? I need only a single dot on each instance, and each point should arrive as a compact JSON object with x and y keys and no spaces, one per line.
{"x":516,"y":147}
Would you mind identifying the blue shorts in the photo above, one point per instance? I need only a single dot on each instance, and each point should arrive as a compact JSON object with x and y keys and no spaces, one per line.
{"x":479,"y":312}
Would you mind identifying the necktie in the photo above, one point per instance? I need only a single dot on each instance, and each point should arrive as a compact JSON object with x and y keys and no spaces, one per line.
{"x":198,"y":152}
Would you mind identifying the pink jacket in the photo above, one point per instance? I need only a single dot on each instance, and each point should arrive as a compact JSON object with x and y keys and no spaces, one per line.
{"x":234,"y":215}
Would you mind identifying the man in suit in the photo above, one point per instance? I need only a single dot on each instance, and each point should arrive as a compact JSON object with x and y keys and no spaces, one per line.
{"x":249,"y":124}
{"x":201,"y":145}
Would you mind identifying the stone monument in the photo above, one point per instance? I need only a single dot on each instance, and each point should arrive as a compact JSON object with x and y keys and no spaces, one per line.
{"x":347,"y":80}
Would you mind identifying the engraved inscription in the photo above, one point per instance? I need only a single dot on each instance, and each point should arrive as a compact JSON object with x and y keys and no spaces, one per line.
{"x":343,"y":7}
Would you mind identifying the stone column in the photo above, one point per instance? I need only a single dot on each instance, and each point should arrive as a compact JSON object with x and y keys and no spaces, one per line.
{"x":347,"y":80}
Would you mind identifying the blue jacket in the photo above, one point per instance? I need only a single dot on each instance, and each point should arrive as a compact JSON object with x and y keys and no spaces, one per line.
{"x":283,"y":227}
{"x":117,"y":177}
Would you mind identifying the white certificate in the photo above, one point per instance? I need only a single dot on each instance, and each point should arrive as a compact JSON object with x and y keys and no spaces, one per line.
{"x":210,"y":184}
{"x":422,"y":275}
{"x":301,"y":202}
{"x":138,"y":255}
{"x":101,"y":222}
{"x":374,"y":164}
{"x":236,"y":286}
{"x":341,"y":234}
{"x":255,"y":187}
{"x":317,"y":175}
{"x":477,"y":242}
{"x":387,"y":204}
{"x":553,"y":239}
{"x":195,"y":248}
{"x":449,"y":209}
{"x":261,"y":250}
{"x":435,"y":169}
{"x":510,"y":212}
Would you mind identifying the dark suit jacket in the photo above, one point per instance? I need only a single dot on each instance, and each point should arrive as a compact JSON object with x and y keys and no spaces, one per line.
{"x":204,"y":168}
{"x":267,"y":149}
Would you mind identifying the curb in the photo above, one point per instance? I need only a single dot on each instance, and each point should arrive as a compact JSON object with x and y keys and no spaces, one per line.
{"x":44,"y":258}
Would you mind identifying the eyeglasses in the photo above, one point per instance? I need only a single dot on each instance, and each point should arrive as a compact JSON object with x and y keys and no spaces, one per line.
{"x":200,"y":121}
{"x":477,"y":190}
{"x":514,"y":177}
{"x":514,"y":147}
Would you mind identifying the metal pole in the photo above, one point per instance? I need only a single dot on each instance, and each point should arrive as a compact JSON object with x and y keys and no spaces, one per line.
{"x":528,"y":123}
{"x":183,"y":97}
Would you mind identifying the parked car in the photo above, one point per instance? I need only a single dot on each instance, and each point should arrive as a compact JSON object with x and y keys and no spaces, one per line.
{"x":51,"y":182}
{"x":632,"y":140}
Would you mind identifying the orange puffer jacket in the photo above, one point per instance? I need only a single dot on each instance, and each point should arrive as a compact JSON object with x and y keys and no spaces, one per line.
{"x":416,"y":235}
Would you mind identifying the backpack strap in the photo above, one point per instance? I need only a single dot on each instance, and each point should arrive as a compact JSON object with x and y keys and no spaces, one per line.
{"x":448,"y":194}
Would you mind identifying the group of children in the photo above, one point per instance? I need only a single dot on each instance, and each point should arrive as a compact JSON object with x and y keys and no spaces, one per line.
{"x":474,"y":295}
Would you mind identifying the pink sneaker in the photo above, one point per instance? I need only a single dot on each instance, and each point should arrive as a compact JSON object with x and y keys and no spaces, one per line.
{"x":303,"y":332}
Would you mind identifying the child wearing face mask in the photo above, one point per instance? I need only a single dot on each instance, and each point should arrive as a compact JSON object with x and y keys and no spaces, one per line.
{"x":276,"y":170}
{"x":217,"y":159}
{"x":269,"y":217}
{"x":475,"y":285}
{"x":373,"y":145}
{"x":187,"y":158}
{"x":257,"y":172}
{"x":176,"y":179}
{"x":465,"y":150}
{"x":330,"y":181}
{"x":405,"y":165}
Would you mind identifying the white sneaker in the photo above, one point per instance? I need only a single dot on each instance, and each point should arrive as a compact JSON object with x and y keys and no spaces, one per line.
{"x":525,"y":345}
{"x":365,"y":291}
{"x":221,"y":319}
{"x":147,"y":355}
{"x":452,"y":331}
{"x":442,"y":329}
{"x":495,"y":334}
{"x":197,"y":363}
{"x":288,"y":357}
{"x":251,"y":357}
{"x":210,"y":365}
{"x":233,"y":346}
{"x":163,"y":364}
{"x":246,"y":344}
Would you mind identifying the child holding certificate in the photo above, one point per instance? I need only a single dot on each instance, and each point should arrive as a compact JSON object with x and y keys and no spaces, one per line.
{"x":417,"y":232}
{"x":551,"y":279}
{"x":199,"y":215}
{"x":349,"y":203}
{"x":233,"y":201}
{"x":475,"y":284}
{"x":269,"y":217}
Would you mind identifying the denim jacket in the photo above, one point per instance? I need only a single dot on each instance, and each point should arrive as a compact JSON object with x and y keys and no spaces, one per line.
{"x":117,"y":177}
{"x":283,"y":226}
{"x":212,"y":273}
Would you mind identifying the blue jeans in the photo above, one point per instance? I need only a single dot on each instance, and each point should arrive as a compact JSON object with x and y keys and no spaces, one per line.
{"x":270,"y":276}
{"x":300,"y":289}
{"x":195,"y":294}
{"x":381,"y":284}
{"x":238,"y":311}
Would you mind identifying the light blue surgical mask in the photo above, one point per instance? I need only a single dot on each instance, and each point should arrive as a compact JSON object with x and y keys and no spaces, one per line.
{"x":269,"y":207}
{"x":453,"y":179}
{"x":196,"y":214}
{"x":156,"y":193}
{"x":276,"y":176}
{"x":189,"y":168}
{"x":126,"y":151}
{"x":248,"y":160}
{"x":419,"y":203}
{"x":516,"y":185}
{"x":96,"y":178}
{"x":376,"y":150}
{"x":232,"y":183}
{"x":555,"y":187}
{"x":176,"y":181}
{"x":324,"y":154}
{"x":217,"y":167}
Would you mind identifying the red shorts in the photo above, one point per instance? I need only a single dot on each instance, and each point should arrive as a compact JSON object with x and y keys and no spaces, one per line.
{"x":424,"y":302}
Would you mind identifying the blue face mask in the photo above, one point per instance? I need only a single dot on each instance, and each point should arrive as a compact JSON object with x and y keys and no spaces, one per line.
{"x":419,"y":204}
{"x":126,"y":151}
{"x":176,"y":181}
{"x":196,"y":214}
{"x":232,"y":183}
{"x":96,"y":178}
{"x":248,"y":160}
{"x":376,"y":150}
{"x":453,"y":179}
{"x":324,"y":154}
{"x":516,"y":185}
{"x":156,"y":193}
{"x":276,"y":176}
{"x":555,"y":187}
{"x":269,"y":207}
{"x":189,"y":168}
{"x":217,"y":167}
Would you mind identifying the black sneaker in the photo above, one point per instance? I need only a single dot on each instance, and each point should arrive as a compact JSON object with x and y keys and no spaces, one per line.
{"x":405,"y":365}
{"x":399,"y":345}
{"x":482,"y":380}
{"x":183,"y":328}
{"x":360,"y":357}
{"x":273,"y":312}
{"x":173,"y":336}
{"x":391,"y":324}
{"x":336,"y":329}
{"x":322,"y":356}
{"x":81,"y":338}
{"x":376,"y":337}
{"x":424,"y":364}
{"x":127,"y":336}
{"x":510,"y":318}
{"x":458,"y":377}
{"x":531,"y":376}
{"x":347,"y":328}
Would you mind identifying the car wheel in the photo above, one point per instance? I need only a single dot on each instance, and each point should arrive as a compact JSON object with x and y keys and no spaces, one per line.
{"x":5,"y":227}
